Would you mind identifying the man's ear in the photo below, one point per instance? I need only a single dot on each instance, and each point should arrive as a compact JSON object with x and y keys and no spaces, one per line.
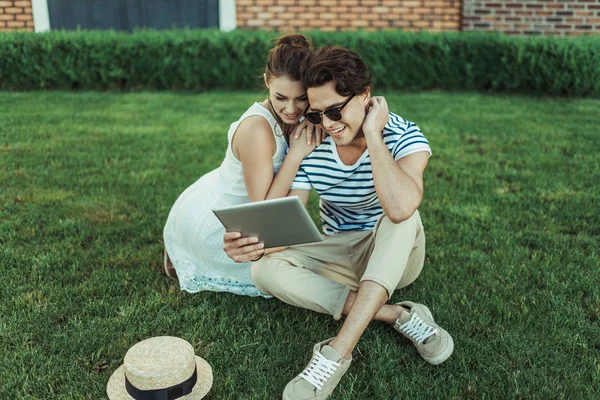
{"x":366,"y":96}
{"x":266,"y":83}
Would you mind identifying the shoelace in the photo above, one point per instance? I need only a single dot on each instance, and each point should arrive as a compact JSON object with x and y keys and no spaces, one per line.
{"x":417,"y":329}
{"x":319,"y":370}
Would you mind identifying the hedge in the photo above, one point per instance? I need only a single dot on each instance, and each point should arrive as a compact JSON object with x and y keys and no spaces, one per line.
{"x":207,"y":59}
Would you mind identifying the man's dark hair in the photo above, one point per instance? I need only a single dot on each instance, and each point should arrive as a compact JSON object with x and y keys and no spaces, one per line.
{"x":343,"y":66}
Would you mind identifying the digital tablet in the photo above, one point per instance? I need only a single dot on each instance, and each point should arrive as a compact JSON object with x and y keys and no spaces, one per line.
{"x":276,"y":222}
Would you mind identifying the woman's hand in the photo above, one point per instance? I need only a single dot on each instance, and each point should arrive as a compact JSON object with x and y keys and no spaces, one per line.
{"x":241,"y":249}
{"x":313,"y":132}
{"x":304,"y":139}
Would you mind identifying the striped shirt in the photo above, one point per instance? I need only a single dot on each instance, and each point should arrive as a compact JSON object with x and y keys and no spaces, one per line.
{"x":348,"y":197}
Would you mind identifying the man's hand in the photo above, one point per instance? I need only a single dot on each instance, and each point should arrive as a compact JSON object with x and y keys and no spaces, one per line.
{"x":377,"y":116}
{"x":241,"y":249}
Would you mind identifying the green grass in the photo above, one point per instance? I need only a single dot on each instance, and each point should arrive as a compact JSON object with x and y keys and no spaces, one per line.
{"x":510,"y":210}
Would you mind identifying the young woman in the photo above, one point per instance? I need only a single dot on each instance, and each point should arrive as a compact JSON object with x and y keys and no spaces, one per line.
{"x":258,"y":144}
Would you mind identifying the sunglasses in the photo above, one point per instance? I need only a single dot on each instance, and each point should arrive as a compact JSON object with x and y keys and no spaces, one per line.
{"x":334,"y":114}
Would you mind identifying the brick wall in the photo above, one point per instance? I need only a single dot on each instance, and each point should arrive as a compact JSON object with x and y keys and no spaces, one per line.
{"x":533,"y":17}
{"x":342,"y":15}
{"x":16,"y":15}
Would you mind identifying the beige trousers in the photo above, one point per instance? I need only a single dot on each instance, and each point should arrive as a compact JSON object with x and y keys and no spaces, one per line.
{"x":319,"y":276}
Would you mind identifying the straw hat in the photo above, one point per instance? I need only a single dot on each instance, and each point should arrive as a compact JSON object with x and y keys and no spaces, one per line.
{"x":163,"y":363}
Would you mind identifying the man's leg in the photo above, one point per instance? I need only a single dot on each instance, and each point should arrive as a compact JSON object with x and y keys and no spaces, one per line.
{"x":317,"y":277}
{"x":394,"y":251}
{"x":408,"y":239}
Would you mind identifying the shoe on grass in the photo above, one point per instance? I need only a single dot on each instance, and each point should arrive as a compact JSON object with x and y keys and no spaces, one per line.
{"x":168,"y":265}
{"x":321,"y":375}
{"x":433,"y":343}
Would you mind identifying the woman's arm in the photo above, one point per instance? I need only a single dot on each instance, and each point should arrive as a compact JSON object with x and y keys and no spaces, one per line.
{"x":301,"y":144}
{"x":254,"y":145}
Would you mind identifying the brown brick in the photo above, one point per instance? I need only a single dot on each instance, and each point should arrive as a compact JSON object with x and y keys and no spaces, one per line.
{"x":359,"y":23}
{"x":245,"y":16}
{"x":359,"y":9}
{"x":6,"y":17}
{"x":411,"y":3}
{"x":381,"y":24}
{"x":28,"y":10}
{"x":584,"y":13}
{"x":316,"y":23}
{"x":514,"y":5}
{"x":435,"y":3}
{"x":421,"y":24}
{"x":6,"y":3}
{"x":381,"y":10}
{"x":338,"y":23}
{"x":255,"y":9}
{"x":493,"y":5}
{"x":422,"y":10}
{"x":24,"y":17}
{"x":400,"y":10}
{"x":264,"y":15}
{"x":372,"y":16}
{"x":2,"y":24}
{"x":287,"y":16}
{"x":13,"y":10}
{"x":490,"y":18}
{"x":265,"y":2}
{"x":276,"y":22}
{"x":349,"y":17}
{"x":22,"y":3}
{"x":243,"y":3}
{"x":297,"y":9}
{"x":534,"y":6}
{"x":370,"y":2}
{"x":328,"y":28}
{"x":16,"y":24}
{"x":327,"y":16}
{"x":255,"y":22}
{"x":555,"y":6}
{"x":412,"y":17}
{"x":307,"y":16}
{"x":328,"y":2}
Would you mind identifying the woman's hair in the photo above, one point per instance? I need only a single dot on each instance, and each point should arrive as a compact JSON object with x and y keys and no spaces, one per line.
{"x":343,"y":66}
{"x":286,"y":58}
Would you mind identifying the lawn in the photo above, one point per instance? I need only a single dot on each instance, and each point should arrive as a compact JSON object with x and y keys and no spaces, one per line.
{"x":511,"y":213}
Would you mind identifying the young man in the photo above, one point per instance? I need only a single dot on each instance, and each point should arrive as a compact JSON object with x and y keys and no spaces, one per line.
{"x":369,"y":175}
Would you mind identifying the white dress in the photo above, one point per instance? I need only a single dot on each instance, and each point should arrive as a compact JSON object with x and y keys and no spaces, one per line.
{"x":194,"y":236}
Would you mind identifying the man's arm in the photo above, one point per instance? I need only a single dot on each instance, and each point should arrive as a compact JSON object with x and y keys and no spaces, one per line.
{"x":399,"y":184}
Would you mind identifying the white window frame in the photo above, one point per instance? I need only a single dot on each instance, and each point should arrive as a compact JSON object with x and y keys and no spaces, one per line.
{"x":41,"y":17}
{"x":227,"y":15}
